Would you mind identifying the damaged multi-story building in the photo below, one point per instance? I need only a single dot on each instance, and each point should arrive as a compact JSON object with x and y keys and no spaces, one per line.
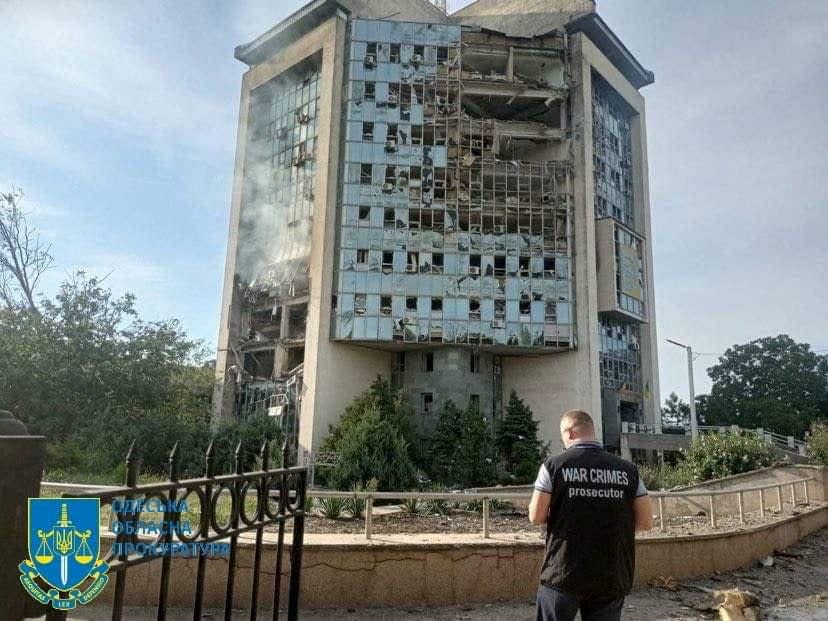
{"x":458,"y":203}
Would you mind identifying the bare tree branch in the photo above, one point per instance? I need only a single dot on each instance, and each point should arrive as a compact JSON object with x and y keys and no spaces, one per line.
{"x":24,"y":258}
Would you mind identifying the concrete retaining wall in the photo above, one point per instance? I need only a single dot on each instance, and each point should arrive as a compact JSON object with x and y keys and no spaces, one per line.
{"x":452,"y":569}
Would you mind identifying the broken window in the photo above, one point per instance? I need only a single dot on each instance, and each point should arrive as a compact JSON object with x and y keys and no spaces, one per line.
{"x":437,"y":263}
{"x":500,"y":266}
{"x":370,"y":91}
{"x":367,"y":131}
{"x":394,"y":54}
{"x":474,"y":308}
{"x":366,"y":174}
{"x":362,"y":256}
{"x":387,"y":262}
{"x":360,"y":304}
{"x":364,"y":212}
{"x":411,"y":303}
{"x":436,"y":305}
{"x":385,"y":305}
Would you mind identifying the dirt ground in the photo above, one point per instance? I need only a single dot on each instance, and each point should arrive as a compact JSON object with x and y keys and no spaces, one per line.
{"x":513,"y":521}
{"x":794,"y":588}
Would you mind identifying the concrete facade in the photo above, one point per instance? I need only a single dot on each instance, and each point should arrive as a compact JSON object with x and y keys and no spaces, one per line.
{"x":359,"y":267}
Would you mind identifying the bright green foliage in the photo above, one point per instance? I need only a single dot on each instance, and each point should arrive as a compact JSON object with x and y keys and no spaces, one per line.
{"x":88,"y":373}
{"x":716,"y":455}
{"x":818,"y":443}
{"x":774,"y":383}
{"x":371,"y":441}
{"x":517,"y":442}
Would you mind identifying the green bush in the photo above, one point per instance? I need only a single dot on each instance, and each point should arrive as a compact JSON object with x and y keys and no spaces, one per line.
{"x":818,"y":443}
{"x":355,"y":506}
{"x":717,"y":455}
{"x":436,"y":506}
{"x":412,"y":506}
{"x":664,"y":477}
{"x":331,"y":508}
{"x":372,"y":441}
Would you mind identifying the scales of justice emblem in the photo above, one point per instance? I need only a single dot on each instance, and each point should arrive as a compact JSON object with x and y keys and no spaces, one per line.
{"x":64,"y":550}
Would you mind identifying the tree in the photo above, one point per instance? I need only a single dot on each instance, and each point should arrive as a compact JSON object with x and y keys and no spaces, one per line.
{"x":773,"y":383}
{"x":381,"y":417}
{"x":88,"y":372}
{"x":676,"y":412}
{"x":476,"y":451}
{"x":443,"y":459}
{"x":517,"y":441}
{"x":373,"y":448}
{"x":24,"y":258}
{"x":462,"y":451}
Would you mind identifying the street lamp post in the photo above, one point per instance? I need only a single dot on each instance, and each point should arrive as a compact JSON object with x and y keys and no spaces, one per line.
{"x":694,"y":426}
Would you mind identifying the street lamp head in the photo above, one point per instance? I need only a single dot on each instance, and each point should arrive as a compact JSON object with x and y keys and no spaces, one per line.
{"x":672,"y":342}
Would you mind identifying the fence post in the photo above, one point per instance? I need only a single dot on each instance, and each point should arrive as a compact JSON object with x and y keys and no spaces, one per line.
{"x":661,"y":513}
{"x":369,"y":509}
{"x":712,"y":512}
{"x":741,"y":508}
{"x":793,"y":496}
{"x":21,"y":465}
{"x":485,"y":518}
{"x":779,"y":497}
{"x":762,"y":502}
{"x":805,"y":489}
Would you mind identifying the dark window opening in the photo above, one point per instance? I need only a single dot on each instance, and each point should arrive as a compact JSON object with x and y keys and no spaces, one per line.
{"x":437,"y":305}
{"x":364,"y":212}
{"x":367,"y":131}
{"x":474,"y":363}
{"x":427,"y":399}
{"x":366,"y":174}
{"x":428,"y":362}
{"x":411,"y":303}
{"x":385,"y":305}
{"x":370,"y":91}
{"x":394,"y":54}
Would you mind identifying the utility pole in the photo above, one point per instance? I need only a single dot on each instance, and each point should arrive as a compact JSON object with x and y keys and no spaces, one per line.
{"x":694,"y":426}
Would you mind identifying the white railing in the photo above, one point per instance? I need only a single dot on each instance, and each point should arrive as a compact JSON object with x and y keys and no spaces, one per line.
{"x":786,"y":443}
{"x":708,"y":496}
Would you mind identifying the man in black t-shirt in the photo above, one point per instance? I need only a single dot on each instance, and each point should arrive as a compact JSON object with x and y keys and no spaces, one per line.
{"x":592,"y":502}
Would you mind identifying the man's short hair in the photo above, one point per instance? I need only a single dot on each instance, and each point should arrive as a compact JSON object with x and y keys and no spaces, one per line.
{"x":578,"y":418}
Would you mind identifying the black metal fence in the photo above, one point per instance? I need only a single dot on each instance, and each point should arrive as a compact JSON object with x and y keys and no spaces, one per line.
{"x":279,"y":497}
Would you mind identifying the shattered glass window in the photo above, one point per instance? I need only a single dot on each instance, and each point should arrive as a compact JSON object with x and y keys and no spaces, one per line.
{"x":280,"y":164}
{"x":467,"y":247}
{"x":612,"y":154}
{"x":620,"y":356}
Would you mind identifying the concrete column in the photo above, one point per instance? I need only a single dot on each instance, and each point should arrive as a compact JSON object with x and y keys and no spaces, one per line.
{"x":21,"y":465}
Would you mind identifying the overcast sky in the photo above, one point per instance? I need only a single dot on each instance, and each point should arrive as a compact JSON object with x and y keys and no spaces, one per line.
{"x":118,"y":120}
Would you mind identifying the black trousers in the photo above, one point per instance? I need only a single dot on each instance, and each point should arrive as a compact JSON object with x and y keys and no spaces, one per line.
{"x":555,"y":605}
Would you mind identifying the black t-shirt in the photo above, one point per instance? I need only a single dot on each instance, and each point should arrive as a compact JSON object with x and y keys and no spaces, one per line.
{"x":590,"y":528}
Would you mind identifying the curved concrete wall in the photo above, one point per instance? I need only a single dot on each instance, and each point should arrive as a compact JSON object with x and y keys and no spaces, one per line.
{"x":430,"y":570}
